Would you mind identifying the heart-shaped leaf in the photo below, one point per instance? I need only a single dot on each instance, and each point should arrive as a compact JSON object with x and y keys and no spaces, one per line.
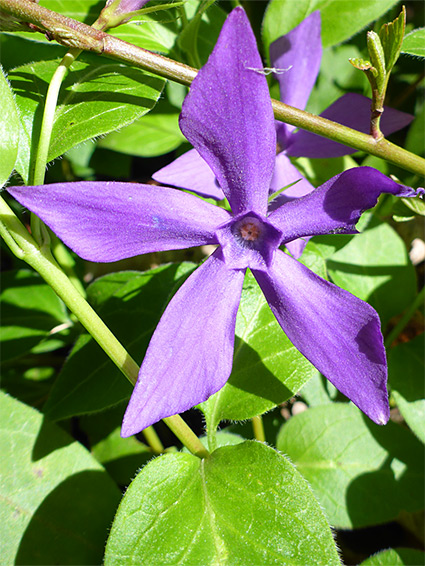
{"x":244,"y":504}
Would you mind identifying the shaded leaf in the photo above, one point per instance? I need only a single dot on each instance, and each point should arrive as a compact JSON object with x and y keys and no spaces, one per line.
{"x":9,"y":130}
{"x":406,"y":370}
{"x":56,"y":501}
{"x":206,"y":30}
{"x":374,"y":266}
{"x":122,"y":457}
{"x":362,"y":474}
{"x":244,"y":504}
{"x":396,"y":557}
{"x":30,"y":310}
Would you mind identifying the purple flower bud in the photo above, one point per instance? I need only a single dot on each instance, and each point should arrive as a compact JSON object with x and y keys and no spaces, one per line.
{"x":116,"y":12}
{"x":125,"y":6}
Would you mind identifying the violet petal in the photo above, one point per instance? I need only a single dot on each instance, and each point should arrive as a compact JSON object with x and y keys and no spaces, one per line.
{"x":335,"y":206}
{"x":299,"y":51}
{"x":352,"y":110}
{"x":108,"y":221}
{"x":190,"y":355}
{"x":190,"y":172}
{"x":337,"y":332}
{"x":227,"y":116}
{"x":284,"y":174}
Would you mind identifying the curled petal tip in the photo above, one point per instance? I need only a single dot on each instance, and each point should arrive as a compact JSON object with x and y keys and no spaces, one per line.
{"x":382,"y":420}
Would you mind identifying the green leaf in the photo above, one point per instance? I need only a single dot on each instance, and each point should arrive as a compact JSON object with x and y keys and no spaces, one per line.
{"x":154,"y":31}
{"x":97,"y":97}
{"x":30,"y":310}
{"x":414,"y":43}
{"x":122,"y":457}
{"x":208,"y":29}
{"x":56,"y":501}
{"x":340,"y":20}
{"x":188,"y":38}
{"x":267,"y":368}
{"x":244,"y":504}
{"x":396,"y":557}
{"x":131,"y":304}
{"x":405,"y":374}
{"x":9,"y":130}
{"x":415,"y":204}
{"x":374,"y":266}
{"x":391,"y":36}
{"x":318,"y":391}
{"x":155,"y":134}
{"x":362,"y":474}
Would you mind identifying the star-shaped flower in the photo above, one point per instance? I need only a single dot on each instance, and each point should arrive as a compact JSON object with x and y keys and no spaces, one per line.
{"x":296,"y":56}
{"x":228,"y":118}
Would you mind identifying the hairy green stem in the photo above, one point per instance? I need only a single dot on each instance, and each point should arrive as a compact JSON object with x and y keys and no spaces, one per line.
{"x":398,"y":328}
{"x":71,"y":33}
{"x":40,"y":259}
{"x":36,"y":176}
{"x":179,"y":427}
{"x":258,"y":428}
{"x":153,"y":440}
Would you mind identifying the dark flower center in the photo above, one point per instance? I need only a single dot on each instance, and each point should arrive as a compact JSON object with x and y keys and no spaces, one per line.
{"x":249,"y":240}
{"x":249,"y":229}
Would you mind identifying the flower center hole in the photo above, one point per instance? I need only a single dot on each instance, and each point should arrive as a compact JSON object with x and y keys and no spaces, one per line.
{"x":250,"y":230}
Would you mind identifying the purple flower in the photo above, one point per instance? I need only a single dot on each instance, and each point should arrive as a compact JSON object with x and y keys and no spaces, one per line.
{"x":297,"y":56}
{"x":228,"y":118}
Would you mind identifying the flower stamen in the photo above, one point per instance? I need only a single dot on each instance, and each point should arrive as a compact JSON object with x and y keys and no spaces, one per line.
{"x":249,"y":230}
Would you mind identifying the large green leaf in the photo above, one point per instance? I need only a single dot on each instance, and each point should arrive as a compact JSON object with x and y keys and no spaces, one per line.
{"x":9,"y":130}
{"x":375,"y":266}
{"x":155,"y":134}
{"x":244,"y":504}
{"x":362,"y":474}
{"x":340,"y":20}
{"x":30,"y":310}
{"x":406,"y":377}
{"x":414,"y":43}
{"x":97,"y":97}
{"x":57,"y":501}
{"x":131,"y":304}
{"x":154,"y":31}
{"x":396,"y":557}
{"x":267,"y":368}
